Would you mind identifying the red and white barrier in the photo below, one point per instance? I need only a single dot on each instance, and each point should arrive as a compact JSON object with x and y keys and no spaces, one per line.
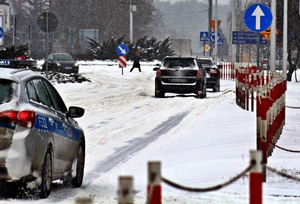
{"x":269,"y":92}
{"x":255,"y":178}
{"x":154,"y":189}
{"x":122,"y":62}
{"x":227,"y":71}
{"x":125,"y":192}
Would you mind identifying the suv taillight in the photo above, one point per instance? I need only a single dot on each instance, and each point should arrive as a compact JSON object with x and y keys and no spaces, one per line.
{"x":22,"y":118}
{"x":158,"y":73}
{"x":199,"y":74}
{"x":213,"y":71}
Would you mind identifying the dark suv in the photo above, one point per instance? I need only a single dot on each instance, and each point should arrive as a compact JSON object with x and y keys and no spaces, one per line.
{"x":61,"y":62}
{"x":180,"y":75}
{"x":40,"y":141}
{"x":212,"y":73}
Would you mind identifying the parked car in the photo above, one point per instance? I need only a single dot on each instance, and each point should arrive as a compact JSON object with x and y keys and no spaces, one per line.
{"x":180,"y":75}
{"x":212,"y":73}
{"x":40,"y":141}
{"x":61,"y":62}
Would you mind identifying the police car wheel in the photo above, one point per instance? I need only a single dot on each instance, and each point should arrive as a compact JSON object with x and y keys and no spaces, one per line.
{"x":46,"y":176}
{"x":77,"y":180}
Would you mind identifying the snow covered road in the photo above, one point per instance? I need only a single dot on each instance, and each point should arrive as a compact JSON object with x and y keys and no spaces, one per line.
{"x":200,"y":142}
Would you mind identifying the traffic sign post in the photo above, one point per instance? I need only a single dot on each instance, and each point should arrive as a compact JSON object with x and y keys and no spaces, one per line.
{"x":1,"y":36}
{"x":213,"y":38}
{"x":1,"y":32}
{"x":221,"y":42}
{"x":204,"y":36}
{"x":47,"y":22}
{"x":246,"y":37}
{"x":122,"y":51}
{"x":258,"y":18}
{"x":213,"y":24}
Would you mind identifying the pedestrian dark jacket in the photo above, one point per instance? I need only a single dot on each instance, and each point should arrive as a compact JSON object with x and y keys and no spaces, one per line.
{"x":136,"y":62}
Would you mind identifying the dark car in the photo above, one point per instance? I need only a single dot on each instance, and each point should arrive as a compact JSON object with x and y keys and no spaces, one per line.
{"x":61,"y":62}
{"x":181,"y":75}
{"x":40,"y":141}
{"x":212,"y":73}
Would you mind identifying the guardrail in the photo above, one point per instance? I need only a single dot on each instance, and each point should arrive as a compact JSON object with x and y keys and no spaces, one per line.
{"x":228,"y":71}
{"x":268,"y":89}
{"x":155,"y":179}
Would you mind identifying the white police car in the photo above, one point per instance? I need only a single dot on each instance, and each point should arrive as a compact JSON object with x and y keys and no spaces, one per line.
{"x":40,"y":142}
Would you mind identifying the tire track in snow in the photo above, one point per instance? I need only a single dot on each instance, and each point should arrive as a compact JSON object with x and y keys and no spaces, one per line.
{"x":122,"y":154}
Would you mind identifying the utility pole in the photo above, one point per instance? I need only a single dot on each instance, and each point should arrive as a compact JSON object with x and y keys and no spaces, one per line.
{"x":132,"y":8}
{"x":131,"y":22}
{"x":209,"y":18}
{"x":273,"y":38}
{"x":233,"y":26}
{"x":285,"y":26}
{"x":216,"y":31}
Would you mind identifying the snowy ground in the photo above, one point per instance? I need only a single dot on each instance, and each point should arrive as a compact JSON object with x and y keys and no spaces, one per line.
{"x":200,"y":142}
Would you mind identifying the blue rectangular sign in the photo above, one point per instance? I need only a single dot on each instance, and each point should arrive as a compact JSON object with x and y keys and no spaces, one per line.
{"x":204,"y":36}
{"x":246,"y":37}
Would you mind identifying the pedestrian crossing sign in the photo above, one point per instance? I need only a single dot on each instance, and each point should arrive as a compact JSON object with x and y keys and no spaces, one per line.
{"x":204,"y":36}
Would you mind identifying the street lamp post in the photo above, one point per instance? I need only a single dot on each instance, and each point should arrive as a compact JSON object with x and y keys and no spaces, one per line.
{"x":131,"y":22}
{"x":216,"y":30}
{"x":285,"y":25}
{"x":273,"y":38}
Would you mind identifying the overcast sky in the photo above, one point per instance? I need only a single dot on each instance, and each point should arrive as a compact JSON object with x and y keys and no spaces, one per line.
{"x":219,"y":1}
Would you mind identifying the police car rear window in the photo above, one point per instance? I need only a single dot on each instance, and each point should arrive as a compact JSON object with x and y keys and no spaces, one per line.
{"x":6,"y":91}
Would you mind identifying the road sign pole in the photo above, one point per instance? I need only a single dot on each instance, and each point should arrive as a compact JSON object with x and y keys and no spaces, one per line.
{"x":285,"y":25}
{"x":216,"y":31}
{"x":273,"y":38}
{"x":257,"y":47}
{"x":47,"y":29}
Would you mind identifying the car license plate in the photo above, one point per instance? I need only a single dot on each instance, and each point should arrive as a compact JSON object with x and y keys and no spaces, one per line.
{"x":178,"y":80}
{"x":68,"y":67}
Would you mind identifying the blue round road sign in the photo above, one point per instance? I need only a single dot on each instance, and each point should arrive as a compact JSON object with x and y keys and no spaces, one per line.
{"x":122,"y":50}
{"x":258,"y":17}
{"x":1,"y":32}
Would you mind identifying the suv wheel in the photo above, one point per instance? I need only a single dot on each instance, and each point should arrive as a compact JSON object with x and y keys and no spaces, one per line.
{"x":159,"y":93}
{"x":217,"y":86}
{"x":203,"y":92}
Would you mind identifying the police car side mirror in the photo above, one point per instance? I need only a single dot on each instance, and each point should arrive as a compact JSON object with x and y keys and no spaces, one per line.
{"x":75,"y":112}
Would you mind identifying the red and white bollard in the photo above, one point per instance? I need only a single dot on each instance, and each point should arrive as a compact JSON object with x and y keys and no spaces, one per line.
{"x":154,"y":190}
{"x":256,"y":177}
{"x":125,"y":193}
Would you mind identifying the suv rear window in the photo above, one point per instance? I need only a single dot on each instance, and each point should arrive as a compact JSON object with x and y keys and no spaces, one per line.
{"x":6,"y":91}
{"x":206,"y":61}
{"x":179,"y":62}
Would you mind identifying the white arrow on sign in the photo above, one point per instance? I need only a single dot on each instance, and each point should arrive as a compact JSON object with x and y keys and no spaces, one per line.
{"x":123,"y":51}
{"x":258,"y":13}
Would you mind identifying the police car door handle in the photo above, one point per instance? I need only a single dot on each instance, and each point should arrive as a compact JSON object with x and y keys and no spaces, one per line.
{"x":65,"y":126}
{"x":51,"y":121}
